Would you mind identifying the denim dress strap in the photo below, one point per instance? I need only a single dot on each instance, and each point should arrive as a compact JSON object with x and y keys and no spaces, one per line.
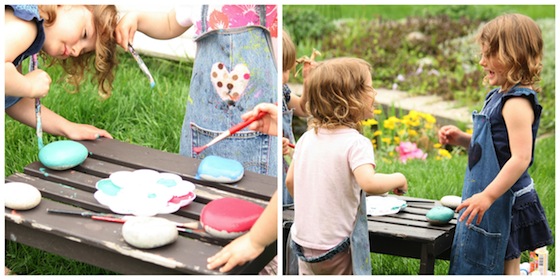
{"x":480,"y":249}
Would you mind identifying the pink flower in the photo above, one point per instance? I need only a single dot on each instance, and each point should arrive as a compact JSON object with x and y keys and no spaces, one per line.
{"x":408,"y":150}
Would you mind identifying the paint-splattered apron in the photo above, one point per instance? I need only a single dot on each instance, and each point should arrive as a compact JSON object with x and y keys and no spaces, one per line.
{"x":358,"y":242}
{"x":234,"y":70}
{"x":480,"y":249}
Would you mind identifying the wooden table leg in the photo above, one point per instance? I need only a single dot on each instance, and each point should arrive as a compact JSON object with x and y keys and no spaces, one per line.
{"x":427,"y":260}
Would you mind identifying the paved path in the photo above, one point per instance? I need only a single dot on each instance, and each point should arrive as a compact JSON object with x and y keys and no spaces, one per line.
{"x":445,"y":112}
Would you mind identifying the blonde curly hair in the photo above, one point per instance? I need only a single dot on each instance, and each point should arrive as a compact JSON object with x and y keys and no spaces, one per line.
{"x":333,"y":93}
{"x":516,"y":41}
{"x":105,"y":55}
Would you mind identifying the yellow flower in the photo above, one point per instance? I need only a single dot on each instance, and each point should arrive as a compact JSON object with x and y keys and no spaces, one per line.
{"x":469,"y":131}
{"x":397,"y":139}
{"x":377,"y":133}
{"x":437,"y":145}
{"x":377,"y":111}
{"x":369,"y":122}
{"x":386,"y":140}
{"x":444,"y":153}
{"x":412,"y":133}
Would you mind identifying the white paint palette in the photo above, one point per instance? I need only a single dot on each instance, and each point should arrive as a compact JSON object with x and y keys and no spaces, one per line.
{"x":144,"y":192}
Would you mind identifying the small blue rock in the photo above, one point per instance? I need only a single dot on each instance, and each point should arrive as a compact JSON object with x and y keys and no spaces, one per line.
{"x":439,"y":215}
{"x":219,"y":169}
{"x":64,"y":154}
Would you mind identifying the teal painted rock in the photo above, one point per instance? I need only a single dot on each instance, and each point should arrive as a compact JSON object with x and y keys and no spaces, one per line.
{"x":219,"y":169}
{"x":64,"y":154}
{"x":439,"y":215}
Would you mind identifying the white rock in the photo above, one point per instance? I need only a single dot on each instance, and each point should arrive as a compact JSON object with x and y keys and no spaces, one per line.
{"x":21,"y":196}
{"x":451,"y":201}
{"x":149,"y":232}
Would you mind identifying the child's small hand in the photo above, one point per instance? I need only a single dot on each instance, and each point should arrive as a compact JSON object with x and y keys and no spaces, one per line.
{"x":475,"y":206}
{"x":285,"y":146}
{"x":403,"y":188}
{"x":268,"y":124}
{"x":238,"y":252}
{"x":40,"y":83}
{"x":76,"y":131}
{"x":125,"y":30}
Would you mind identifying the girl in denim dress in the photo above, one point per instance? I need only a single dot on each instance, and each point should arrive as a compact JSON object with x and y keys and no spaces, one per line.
{"x":234,"y":70}
{"x":501,"y":215}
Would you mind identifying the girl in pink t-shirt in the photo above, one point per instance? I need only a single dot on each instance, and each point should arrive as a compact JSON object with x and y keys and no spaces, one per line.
{"x":332,"y":169}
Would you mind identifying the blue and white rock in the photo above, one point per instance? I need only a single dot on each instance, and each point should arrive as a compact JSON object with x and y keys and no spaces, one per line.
{"x":219,"y":169}
{"x":62,"y":155}
{"x":440,"y":215}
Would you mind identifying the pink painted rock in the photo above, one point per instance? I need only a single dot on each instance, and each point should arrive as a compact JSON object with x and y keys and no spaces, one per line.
{"x":229,"y":217}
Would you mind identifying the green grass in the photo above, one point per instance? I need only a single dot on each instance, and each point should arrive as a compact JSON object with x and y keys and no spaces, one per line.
{"x":334,"y":12}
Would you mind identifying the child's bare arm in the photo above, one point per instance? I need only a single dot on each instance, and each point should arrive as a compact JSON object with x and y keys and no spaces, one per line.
{"x":19,"y":35}
{"x":379,"y":183}
{"x":290,"y":179}
{"x":156,"y":25}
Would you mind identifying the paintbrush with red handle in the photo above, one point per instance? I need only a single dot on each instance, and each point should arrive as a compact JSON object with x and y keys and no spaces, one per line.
{"x":115,"y":218}
{"x":230,"y":131}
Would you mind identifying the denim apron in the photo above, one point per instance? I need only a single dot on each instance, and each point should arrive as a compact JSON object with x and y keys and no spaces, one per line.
{"x":480,"y":249}
{"x":358,"y":242}
{"x":287,"y":116}
{"x":234,"y":70}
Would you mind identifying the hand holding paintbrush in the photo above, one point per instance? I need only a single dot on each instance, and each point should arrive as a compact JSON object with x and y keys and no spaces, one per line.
{"x":258,"y":119}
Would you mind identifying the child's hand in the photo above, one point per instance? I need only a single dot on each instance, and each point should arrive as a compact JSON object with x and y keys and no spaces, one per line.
{"x":238,"y":252}
{"x":269,"y":123}
{"x":450,"y":134}
{"x":285,"y":146}
{"x":476,"y":205}
{"x":403,"y":184}
{"x":126,"y":28}
{"x":40,"y":83}
{"x":76,"y":131}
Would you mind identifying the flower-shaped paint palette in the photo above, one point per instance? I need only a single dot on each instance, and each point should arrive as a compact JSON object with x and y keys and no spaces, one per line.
{"x":383,"y":205}
{"x":144,"y":192}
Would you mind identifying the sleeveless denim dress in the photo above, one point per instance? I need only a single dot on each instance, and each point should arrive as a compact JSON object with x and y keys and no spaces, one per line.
{"x":358,"y":242}
{"x":27,"y":13}
{"x":480,"y":249}
{"x":234,"y":70}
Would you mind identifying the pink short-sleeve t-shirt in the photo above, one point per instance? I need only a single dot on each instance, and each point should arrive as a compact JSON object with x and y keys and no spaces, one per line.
{"x":326,"y":194}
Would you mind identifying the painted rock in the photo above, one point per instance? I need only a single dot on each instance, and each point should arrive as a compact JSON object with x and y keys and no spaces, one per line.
{"x":149,"y":232}
{"x":439,"y":215}
{"x":219,"y":169}
{"x":451,"y":201}
{"x":21,"y":196}
{"x":64,"y":154}
{"x":229,"y":217}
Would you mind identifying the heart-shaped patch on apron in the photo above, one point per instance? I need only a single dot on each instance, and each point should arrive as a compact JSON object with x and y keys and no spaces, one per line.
{"x":230,"y":86}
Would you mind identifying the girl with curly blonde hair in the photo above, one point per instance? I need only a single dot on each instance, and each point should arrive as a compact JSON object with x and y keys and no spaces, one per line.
{"x":77,"y":37}
{"x":332,"y":169}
